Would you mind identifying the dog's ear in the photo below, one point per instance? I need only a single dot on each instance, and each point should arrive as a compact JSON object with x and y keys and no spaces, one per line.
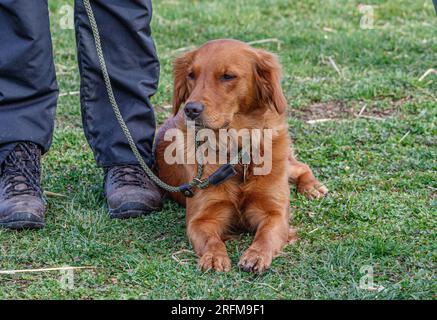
{"x":268,"y":80}
{"x":180,"y":74}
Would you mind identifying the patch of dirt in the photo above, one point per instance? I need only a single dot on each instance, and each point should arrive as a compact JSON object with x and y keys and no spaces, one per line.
{"x":333,"y":110}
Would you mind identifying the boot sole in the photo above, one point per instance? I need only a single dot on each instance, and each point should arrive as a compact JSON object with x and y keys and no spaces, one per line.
{"x":22,"y":220}
{"x":131,"y":210}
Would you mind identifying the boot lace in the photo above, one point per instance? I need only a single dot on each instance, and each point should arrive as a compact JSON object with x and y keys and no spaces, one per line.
{"x":21,"y":171}
{"x":128,"y":175}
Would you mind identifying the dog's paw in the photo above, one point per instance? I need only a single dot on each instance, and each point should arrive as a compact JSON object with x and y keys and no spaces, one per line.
{"x":313,"y":190}
{"x":215,"y":261}
{"x":254,"y":260}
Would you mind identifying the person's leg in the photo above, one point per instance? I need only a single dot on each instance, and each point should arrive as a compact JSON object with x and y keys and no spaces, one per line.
{"x":28,"y":89}
{"x":28,"y":95}
{"x":130,"y":54}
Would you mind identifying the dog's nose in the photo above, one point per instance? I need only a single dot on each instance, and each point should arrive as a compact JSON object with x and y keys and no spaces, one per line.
{"x":193,"y":110}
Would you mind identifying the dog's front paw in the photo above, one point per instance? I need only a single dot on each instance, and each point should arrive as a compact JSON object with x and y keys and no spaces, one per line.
{"x":313,"y":190}
{"x":215,"y":261}
{"x":254,"y":260}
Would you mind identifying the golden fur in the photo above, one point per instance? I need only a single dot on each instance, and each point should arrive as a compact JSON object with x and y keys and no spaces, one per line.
{"x":252,"y":99}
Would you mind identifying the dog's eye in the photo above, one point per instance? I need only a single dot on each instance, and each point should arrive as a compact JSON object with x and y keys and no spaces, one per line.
{"x":227,"y":77}
{"x":192,"y":76}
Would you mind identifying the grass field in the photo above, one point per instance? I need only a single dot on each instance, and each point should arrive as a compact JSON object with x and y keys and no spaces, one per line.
{"x":377,"y":154}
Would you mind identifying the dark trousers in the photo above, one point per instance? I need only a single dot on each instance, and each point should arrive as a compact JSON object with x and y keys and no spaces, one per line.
{"x":28,"y":88}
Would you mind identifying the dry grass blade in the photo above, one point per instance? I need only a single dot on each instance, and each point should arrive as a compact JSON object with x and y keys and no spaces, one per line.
{"x":362,"y":110}
{"x":314,"y":121}
{"x":175,"y":256}
{"x":54,"y":194}
{"x":46,"y":270}
{"x":427,"y":73}
{"x":404,"y":136}
{"x":314,"y":230}
{"x":70,"y":93}
{"x":327,"y":29}
{"x":263,"y":41}
{"x":263,"y":284}
{"x":335,"y":66}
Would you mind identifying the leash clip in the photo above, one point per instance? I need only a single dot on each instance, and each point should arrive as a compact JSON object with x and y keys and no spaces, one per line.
{"x":187,"y":190}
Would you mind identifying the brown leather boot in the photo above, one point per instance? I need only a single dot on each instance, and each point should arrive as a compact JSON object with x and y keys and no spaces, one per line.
{"x":21,"y":202}
{"x":130,"y":193}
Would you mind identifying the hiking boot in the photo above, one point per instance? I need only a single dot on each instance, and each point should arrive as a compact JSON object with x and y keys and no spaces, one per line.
{"x":21,"y":202}
{"x":130,"y":193}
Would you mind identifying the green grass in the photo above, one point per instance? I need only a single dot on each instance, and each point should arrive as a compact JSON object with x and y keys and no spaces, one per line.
{"x":382,"y":173}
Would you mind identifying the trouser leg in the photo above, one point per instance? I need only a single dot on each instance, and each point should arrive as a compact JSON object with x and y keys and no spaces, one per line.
{"x":133,"y":66}
{"x":28,"y":88}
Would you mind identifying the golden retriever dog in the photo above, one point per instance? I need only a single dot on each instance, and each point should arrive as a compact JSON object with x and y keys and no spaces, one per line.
{"x":226,"y":84}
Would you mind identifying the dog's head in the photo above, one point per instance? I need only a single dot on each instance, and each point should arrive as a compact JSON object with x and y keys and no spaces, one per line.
{"x":226,"y":77}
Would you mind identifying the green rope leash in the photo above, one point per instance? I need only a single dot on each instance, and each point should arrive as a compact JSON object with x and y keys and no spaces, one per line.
{"x":185,"y":189}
